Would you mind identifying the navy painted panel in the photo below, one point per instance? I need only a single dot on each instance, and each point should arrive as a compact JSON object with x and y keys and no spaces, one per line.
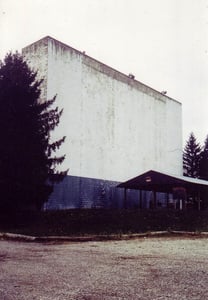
{"x":81,"y":192}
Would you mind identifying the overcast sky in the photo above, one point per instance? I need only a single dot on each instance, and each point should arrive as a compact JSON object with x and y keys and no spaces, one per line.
{"x":164,"y":43}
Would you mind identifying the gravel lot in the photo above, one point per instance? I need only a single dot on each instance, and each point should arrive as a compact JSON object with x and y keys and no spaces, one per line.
{"x":146,"y":268}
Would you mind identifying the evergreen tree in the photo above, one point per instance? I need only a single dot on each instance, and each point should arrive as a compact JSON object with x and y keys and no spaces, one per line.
{"x":191,"y":157}
{"x":203,"y":172}
{"x":203,"y":166}
{"x":27,"y":162}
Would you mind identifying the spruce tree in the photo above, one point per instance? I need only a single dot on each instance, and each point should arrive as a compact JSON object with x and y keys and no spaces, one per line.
{"x":191,"y":157}
{"x":203,"y":172}
{"x":27,"y":161}
{"x":203,"y":166}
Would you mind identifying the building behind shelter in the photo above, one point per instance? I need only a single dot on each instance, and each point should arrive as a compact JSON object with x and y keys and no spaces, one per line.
{"x":115,"y":126}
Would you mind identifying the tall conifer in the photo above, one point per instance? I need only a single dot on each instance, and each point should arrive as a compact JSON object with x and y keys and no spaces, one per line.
{"x":203,"y":172}
{"x":191,"y":157}
{"x":27,"y":161}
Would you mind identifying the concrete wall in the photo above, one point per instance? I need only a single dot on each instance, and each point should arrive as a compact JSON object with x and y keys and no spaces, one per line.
{"x":116,"y":127}
{"x":37,"y":57}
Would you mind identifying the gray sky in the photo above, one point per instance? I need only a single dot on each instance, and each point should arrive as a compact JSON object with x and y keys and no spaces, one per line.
{"x":164,"y":43}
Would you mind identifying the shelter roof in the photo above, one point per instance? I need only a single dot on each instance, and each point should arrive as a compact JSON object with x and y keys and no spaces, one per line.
{"x":163,"y":182}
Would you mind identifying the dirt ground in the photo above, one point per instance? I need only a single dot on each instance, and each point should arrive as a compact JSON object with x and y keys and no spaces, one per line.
{"x":146,"y":268}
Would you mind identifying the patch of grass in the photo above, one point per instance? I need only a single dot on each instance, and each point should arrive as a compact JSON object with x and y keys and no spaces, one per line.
{"x":99,"y":221}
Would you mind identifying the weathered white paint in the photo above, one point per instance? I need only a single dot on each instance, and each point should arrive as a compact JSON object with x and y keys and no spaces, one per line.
{"x":116,"y":127}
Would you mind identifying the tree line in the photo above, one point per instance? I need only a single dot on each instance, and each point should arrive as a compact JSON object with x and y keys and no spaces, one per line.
{"x":195,"y":158}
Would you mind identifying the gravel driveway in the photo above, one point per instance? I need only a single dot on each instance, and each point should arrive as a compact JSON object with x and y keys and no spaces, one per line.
{"x":146,"y":268}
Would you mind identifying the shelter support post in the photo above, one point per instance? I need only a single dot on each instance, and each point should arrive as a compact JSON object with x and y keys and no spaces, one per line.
{"x":154,"y":199}
{"x":125,"y":198}
{"x":167,"y":200}
{"x":140,"y":199}
{"x":199,"y":200}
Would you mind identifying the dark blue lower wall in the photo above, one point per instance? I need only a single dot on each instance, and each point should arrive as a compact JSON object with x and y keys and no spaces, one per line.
{"x":81,"y":192}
